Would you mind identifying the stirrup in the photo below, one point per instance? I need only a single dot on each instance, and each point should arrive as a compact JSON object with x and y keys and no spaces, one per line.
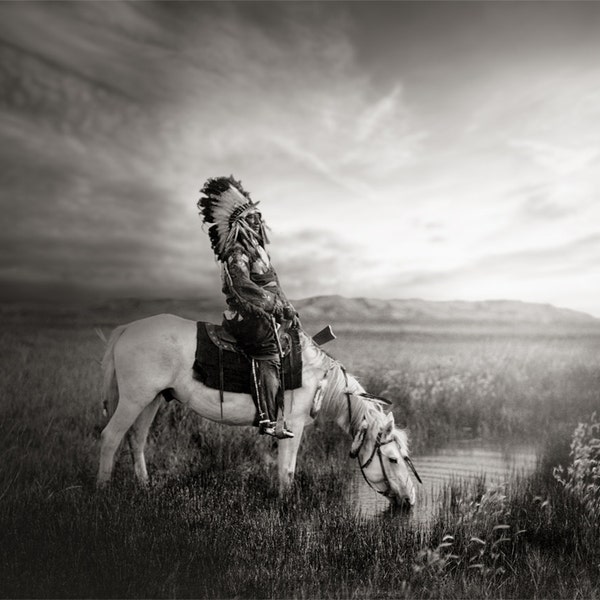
{"x":266,"y":427}
{"x":282,"y":432}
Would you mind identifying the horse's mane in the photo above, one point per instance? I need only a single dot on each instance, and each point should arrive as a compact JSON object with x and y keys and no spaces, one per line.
{"x":335,"y":403}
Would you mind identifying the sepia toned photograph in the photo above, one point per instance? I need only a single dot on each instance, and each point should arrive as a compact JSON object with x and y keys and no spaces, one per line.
{"x":300,"y":299}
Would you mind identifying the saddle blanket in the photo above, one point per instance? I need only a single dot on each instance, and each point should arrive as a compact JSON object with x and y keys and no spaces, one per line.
{"x":219,"y":364}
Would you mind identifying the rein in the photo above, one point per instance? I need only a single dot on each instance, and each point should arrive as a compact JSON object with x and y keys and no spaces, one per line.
{"x":376,"y":451}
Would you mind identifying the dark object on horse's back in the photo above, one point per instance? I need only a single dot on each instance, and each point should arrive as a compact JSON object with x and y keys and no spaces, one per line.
{"x":325,"y":335}
{"x":219,"y":362}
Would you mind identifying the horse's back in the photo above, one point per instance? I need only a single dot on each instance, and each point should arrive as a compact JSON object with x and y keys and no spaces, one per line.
{"x":162,"y":325}
{"x":167,"y":340}
{"x":162,"y":339}
{"x":162,"y":321}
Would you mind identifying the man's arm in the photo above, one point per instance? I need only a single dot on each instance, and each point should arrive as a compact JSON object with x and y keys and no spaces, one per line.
{"x":288,"y":310}
{"x":252,"y":296}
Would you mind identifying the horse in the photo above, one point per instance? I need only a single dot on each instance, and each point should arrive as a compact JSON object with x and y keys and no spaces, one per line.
{"x":152,"y":357}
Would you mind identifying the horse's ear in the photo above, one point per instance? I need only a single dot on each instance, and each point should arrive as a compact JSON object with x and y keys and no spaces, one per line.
{"x":358,"y":440}
{"x":388,"y":428}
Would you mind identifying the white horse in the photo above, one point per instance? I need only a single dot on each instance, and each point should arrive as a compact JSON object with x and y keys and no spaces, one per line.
{"x":146,"y":357}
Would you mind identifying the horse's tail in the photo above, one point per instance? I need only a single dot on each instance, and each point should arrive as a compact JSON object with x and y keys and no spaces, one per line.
{"x":110,"y":389}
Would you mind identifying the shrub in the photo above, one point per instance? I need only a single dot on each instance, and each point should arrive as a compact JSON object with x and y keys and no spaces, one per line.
{"x":582,"y":477}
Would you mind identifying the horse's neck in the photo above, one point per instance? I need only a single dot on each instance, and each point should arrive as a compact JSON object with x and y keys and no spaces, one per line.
{"x":347,"y":410}
{"x":343,"y":403}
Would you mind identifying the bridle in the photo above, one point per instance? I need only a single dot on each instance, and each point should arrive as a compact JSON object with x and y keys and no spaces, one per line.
{"x":376,"y":447}
{"x":376,"y":451}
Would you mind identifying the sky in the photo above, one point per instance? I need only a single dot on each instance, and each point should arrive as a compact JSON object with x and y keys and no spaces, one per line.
{"x":435,"y":150}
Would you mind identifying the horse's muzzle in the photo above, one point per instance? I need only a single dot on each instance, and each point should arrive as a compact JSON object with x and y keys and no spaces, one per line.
{"x":401,"y":504}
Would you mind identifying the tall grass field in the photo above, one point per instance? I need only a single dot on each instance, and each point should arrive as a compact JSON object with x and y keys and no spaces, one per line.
{"x":211,"y":524}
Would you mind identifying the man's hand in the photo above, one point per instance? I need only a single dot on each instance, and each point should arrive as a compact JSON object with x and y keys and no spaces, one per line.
{"x":278,"y":309}
{"x":290,"y":314}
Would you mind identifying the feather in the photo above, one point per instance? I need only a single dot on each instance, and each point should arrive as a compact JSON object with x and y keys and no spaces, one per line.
{"x":224,"y":205}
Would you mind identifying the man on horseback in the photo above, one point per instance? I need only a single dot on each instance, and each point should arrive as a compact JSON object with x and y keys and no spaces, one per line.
{"x":257,"y":306}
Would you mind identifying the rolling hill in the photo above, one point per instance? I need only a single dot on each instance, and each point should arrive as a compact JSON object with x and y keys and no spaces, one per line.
{"x":416,"y":311}
{"x":320,"y":310}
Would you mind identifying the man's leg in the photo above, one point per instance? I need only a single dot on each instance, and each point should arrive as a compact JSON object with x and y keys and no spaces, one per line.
{"x":257,"y":338}
{"x":264,"y":422}
{"x":272,"y":394}
{"x":268,"y":378}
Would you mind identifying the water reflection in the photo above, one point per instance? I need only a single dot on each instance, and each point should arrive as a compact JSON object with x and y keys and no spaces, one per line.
{"x":462,"y":461}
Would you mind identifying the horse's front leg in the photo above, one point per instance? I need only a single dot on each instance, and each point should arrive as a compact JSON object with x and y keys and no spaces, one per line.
{"x":287,"y":454}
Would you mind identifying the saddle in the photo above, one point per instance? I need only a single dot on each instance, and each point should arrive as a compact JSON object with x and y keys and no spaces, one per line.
{"x":221,"y":365}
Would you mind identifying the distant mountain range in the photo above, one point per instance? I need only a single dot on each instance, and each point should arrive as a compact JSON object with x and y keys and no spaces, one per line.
{"x":322,"y":310}
{"x":510,"y":312}
{"x":337,"y":309}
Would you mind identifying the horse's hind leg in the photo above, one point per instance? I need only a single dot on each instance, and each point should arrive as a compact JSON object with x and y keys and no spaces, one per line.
{"x":138,"y":436}
{"x":122,"y":419}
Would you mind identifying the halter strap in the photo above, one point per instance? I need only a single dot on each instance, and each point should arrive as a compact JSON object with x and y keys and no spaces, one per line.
{"x":377,"y":451}
{"x":376,"y":447}
{"x":349,"y":403}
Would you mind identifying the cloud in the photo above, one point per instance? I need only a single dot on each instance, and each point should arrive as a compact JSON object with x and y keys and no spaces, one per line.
{"x":575,"y":255}
{"x":527,"y":274}
{"x":380,"y":171}
{"x":317,"y":262}
{"x":539,"y":203}
{"x":115,"y":118}
{"x":559,"y":160}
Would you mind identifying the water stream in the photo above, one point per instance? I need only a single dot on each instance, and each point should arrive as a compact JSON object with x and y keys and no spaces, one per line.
{"x":460,"y":462}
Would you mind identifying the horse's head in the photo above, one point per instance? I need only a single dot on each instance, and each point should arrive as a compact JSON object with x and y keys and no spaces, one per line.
{"x":382,"y":453}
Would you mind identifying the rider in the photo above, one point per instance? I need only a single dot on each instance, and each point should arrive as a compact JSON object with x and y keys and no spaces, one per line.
{"x":257,"y":306}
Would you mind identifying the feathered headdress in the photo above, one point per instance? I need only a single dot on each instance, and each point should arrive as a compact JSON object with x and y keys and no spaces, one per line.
{"x":224,"y":207}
